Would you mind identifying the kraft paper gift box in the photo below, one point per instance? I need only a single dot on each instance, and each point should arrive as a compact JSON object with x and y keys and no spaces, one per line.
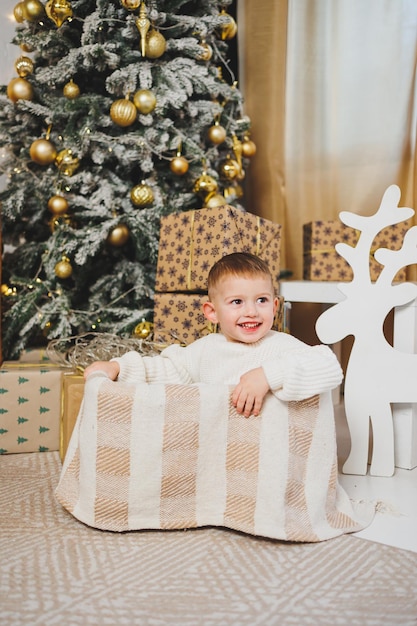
{"x":178,"y":318}
{"x":322,"y":262}
{"x":30,"y":402}
{"x":34,"y":355}
{"x":192,"y":241}
{"x":72,"y":395}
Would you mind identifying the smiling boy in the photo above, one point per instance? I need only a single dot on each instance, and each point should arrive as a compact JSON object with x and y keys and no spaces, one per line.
{"x":245,"y":353}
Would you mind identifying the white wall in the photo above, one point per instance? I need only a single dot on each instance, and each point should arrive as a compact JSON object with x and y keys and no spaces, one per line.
{"x":8,"y":52}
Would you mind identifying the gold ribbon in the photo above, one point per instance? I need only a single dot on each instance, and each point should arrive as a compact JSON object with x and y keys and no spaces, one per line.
{"x":190,"y":262}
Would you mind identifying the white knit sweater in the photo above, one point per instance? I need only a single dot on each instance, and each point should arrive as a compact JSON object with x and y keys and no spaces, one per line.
{"x":294,"y":370}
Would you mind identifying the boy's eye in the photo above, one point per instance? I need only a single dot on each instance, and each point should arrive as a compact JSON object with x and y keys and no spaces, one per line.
{"x":237,"y":301}
{"x":263,"y":299}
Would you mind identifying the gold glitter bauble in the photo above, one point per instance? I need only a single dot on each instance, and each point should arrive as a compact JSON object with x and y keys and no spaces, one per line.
{"x":130,"y":5}
{"x":216,"y":133}
{"x":142,"y":195}
{"x":145,"y":101}
{"x":33,"y":10}
{"x":19,"y":12}
{"x":23,"y":66}
{"x":58,"y":11}
{"x":118,"y":235}
{"x":42,"y":151}
{"x":206,"y":52}
{"x":19,"y":89}
{"x":66,"y":162}
{"x":155,"y":44}
{"x":214,"y":200}
{"x":230,"y":169}
{"x":143,"y":329}
{"x":179,"y":165}
{"x":248,"y":148}
{"x":229,"y":29}
{"x":205,"y":184}
{"x":63,"y":269}
{"x":71,"y":90}
{"x":123,"y":112}
{"x":58,"y":205}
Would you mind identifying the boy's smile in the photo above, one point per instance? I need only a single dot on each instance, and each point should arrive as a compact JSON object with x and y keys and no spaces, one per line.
{"x":244,"y":307}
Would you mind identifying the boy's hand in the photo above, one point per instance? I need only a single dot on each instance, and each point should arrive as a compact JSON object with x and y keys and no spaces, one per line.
{"x":248,"y":395}
{"x":110,"y":368}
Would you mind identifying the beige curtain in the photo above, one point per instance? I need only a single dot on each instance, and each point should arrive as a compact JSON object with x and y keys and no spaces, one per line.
{"x":330,"y":88}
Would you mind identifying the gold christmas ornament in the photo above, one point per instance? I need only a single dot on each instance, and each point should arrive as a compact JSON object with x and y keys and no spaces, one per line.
{"x":206,"y":52}
{"x":7,"y":291}
{"x":213,"y":200}
{"x":19,"y":12}
{"x":248,"y":148}
{"x":33,"y":10}
{"x":25,"y":47}
{"x":155,"y":44}
{"x":143,"y":24}
{"x":71,"y":90}
{"x":59,"y":11}
{"x":23,"y":66}
{"x":230,"y":168}
{"x":143,"y":329}
{"x":205,"y":184}
{"x":118,"y":235}
{"x":216,"y":133}
{"x":229,"y":29}
{"x":66,"y":162}
{"x":130,"y":5}
{"x":58,"y":205}
{"x":179,"y":165}
{"x":42,"y":152}
{"x":60,"y":220}
{"x":19,"y":89}
{"x":123,"y":112}
{"x":142,"y":195}
{"x":63,"y":269}
{"x":145,"y":101}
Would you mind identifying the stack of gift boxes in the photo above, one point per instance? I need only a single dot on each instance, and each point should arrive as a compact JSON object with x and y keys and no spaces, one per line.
{"x":322,"y":262}
{"x":189,"y":244}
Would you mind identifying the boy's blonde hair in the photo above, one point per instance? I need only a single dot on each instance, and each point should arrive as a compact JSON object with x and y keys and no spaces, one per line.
{"x":237,"y":264}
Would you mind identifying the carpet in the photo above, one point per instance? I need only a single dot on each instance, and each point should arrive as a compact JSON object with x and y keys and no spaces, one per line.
{"x":56,"y":571}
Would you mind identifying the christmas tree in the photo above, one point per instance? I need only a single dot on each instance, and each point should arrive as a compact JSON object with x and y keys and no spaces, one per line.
{"x":121,"y":111}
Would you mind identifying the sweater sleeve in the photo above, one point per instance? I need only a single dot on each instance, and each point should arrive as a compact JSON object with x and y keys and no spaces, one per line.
{"x":303,"y":372}
{"x":167,"y":367}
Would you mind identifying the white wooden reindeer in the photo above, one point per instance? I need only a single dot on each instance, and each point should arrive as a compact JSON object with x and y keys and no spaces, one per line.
{"x":377,"y":374}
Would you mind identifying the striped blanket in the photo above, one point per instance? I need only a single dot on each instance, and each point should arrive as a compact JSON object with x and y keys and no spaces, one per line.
{"x":179,"y":456}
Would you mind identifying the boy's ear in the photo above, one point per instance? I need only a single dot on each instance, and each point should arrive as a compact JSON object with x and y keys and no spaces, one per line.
{"x":276,"y":302}
{"x":210,"y":312}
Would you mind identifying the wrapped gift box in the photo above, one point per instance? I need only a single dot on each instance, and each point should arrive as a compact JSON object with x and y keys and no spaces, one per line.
{"x":30,"y":402}
{"x":192,"y":241}
{"x":72,"y":395}
{"x":178,"y":318}
{"x":322,"y":262}
{"x":34,"y":355}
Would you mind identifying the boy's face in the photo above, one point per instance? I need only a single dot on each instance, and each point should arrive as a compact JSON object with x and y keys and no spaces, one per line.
{"x":244,"y":307}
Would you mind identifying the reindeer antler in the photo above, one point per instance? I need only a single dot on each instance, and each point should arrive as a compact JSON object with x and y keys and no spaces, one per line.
{"x":394,"y":260}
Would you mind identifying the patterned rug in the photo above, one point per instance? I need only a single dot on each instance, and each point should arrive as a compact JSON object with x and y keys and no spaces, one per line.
{"x":56,"y":571}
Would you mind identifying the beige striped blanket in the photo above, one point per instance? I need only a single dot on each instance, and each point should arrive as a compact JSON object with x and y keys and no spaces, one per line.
{"x":179,"y":456}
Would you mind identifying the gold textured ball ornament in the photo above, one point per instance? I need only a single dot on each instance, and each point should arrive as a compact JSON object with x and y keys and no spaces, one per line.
{"x":206,"y":52}
{"x":66,"y":162}
{"x":58,"y":205}
{"x":145,"y":101}
{"x":214,"y":200}
{"x":123,"y":112}
{"x":142,"y":195}
{"x":42,"y":152}
{"x":63,"y":269}
{"x":230,"y":168}
{"x":155,"y":44}
{"x":19,"y":12}
{"x":130,"y":5}
{"x":143,"y":329}
{"x":24,"y":66}
{"x":33,"y":10}
{"x":248,"y":148}
{"x":216,"y":133}
{"x":205,"y":184}
{"x":71,"y":90}
{"x":228,"y":29}
{"x":179,"y":165}
{"x":118,"y":235}
{"x":19,"y":89}
{"x":59,"y":11}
